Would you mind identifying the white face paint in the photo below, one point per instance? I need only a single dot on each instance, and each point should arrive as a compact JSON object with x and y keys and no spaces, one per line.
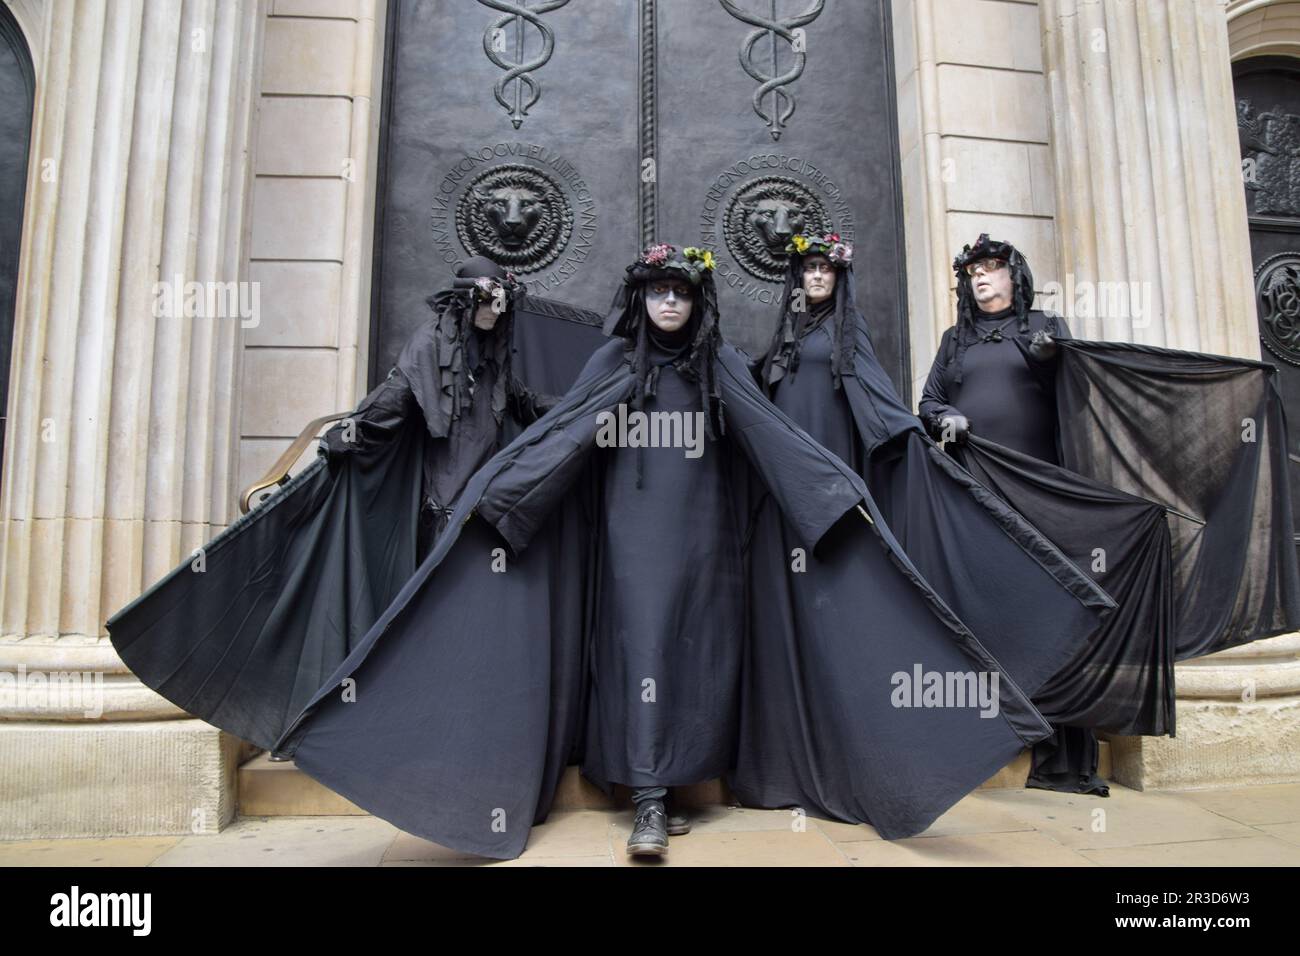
{"x":485,"y":316}
{"x":818,"y":278}
{"x":668,"y":303}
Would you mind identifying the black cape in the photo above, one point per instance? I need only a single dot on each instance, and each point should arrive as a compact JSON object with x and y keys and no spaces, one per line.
{"x":1172,"y":493}
{"x":458,"y":711}
{"x":243,"y":635}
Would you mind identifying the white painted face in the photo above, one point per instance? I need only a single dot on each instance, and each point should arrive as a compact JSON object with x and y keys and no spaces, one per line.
{"x":668,"y":303}
{"x":485,"y":316}
{"x":990,"y":280}
{"x":818,"y":278}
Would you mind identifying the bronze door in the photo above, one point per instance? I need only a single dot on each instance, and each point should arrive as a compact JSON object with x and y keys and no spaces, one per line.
{"x":1268,"y":122}
{"x":560,"y":137}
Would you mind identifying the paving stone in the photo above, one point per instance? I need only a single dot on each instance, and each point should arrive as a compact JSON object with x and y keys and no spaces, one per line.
{"x":735,"y":848}
{"x":1247,"y":826}
{"x":1246,"y":851}
{"x":1025,"y":848}
{"x":114,"y":851}
{"x":1290,"y":832}
{"x":1126,"y":818}
{"x":1273,"y":803}
{"x":287,"y":841}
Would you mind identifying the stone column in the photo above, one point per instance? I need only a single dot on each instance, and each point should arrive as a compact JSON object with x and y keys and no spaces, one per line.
{"x":1148,"y":172}
{"x":1149,"y":195}
{"x":123,"y":410}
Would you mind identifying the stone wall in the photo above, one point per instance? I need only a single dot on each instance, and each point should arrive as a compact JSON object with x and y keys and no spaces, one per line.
{"x":974,"y":128}
{"x":313,"y":215}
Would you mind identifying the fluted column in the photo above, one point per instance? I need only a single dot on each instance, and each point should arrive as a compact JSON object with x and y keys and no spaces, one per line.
{"x":123,"y":421}
{"x":1148,"y":174}
{"x":1149,"y":194}
{"x":122,"y":433}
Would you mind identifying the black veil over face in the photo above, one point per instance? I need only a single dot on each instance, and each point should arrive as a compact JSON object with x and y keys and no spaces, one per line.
{"x":628,"y":319}
{"x":456,"y":345}
{"x":1022,"y":294}
{"x":783,"y":353}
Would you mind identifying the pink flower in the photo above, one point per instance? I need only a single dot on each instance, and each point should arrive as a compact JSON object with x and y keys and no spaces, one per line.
{"x":658,"y":254}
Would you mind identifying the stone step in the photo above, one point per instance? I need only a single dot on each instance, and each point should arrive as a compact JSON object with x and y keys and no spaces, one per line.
{"x":270,"y":788}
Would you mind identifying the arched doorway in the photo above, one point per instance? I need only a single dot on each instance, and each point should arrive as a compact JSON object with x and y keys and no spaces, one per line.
{"x":17,"y":96}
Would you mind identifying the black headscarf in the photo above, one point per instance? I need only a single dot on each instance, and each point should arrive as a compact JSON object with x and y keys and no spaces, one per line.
{"x":787,"y":341}
{"x":1022,"y":295}
{"x":440,"y":374}
{"x":627,"y":318}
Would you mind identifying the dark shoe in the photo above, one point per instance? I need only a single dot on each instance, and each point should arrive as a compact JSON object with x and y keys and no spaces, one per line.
{"x":649,"y":830}
{"x":678,"y":822}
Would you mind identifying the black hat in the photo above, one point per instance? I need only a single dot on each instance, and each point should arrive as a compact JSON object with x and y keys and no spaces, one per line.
{"x":484,"y":277}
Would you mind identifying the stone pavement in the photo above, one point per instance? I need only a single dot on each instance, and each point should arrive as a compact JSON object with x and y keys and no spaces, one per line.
{"x":1243,"y":826}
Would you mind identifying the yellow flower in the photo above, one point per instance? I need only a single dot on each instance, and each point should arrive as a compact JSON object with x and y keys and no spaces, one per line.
{"x":696,"y":254}
{"x":801,"y":244}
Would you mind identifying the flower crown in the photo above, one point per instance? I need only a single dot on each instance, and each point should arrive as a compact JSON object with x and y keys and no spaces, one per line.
{"x":984,"y":248}
{"x":695,"y":261}
{"x":485,"y":287}
{"x":829,"y":245}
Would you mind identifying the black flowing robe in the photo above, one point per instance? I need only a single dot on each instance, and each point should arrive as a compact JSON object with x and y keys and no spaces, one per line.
{"x":245,"y":633}
{"x":670,"y":611}
{"x":456,"y":714}
{"x":962,"y":537}
{"x":997,"y":571}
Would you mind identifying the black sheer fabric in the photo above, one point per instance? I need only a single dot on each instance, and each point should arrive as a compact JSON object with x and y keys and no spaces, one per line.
{"x":1205,"y":437}
{"x":1124,"y":680}
{"x":1173,"y":496}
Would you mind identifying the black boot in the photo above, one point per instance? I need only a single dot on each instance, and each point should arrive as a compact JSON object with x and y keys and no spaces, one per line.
{"x":678,"y":822}
{"x":649,"y":829}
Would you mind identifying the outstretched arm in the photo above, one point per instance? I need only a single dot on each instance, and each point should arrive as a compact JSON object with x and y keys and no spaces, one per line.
{"x":526,"y":405}
{"x":378,"y":419}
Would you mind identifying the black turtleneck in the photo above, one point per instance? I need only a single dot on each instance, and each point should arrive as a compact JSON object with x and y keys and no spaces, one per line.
{"x":817,"y":313}
{"x":999,"y":316}
{"x":670,"y":344}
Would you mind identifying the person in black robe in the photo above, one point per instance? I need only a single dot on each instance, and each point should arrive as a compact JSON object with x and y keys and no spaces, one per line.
{"x":994,"y":376}
{"x":822,"y":371}
{"x":608,"y":603}
{"x":455,"y":375}
{"x":662,"y":707}
{"x":244,"y":634}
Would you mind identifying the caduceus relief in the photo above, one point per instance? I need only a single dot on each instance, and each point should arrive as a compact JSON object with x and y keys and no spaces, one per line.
{"x":517,"y":73}
{"x":771,"y":83}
